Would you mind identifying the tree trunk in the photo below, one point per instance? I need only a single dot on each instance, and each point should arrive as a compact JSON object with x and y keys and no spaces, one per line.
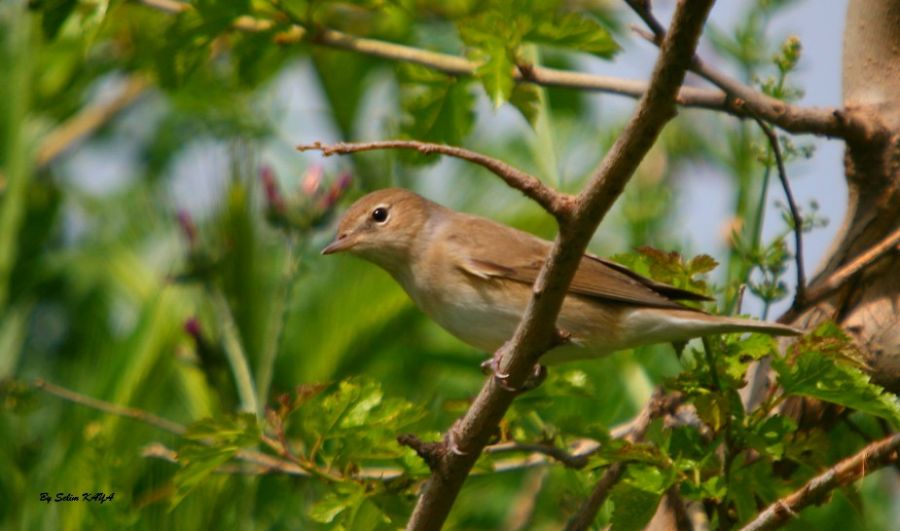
{"x":868,"y":306}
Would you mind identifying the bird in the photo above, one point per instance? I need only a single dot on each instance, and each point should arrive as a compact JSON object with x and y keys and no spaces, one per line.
{"x":474,"y":277}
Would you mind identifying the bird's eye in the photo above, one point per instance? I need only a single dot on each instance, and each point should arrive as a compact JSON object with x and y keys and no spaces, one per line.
{"x":380,"y":214}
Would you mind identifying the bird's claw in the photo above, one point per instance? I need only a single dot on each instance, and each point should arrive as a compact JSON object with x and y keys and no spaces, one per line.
{"x":492,"y":367}
{"x":451,"y":445}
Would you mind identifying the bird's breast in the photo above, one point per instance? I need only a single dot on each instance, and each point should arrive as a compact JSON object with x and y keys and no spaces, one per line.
{"x":481,"y":312}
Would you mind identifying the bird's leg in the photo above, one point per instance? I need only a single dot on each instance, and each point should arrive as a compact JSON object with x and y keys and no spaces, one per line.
{"x":450,"y":442}
{"x":535,"y":379}
{"x":492,"y":367}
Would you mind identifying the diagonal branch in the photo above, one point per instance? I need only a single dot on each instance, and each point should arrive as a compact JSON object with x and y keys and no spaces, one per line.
{"x":825,"y":287}
{"x":826,"y":121}
{"x":536,"y":332}
{"x":88,"y":120}
{"x":863,"y":463}
{"x":113,"y":409}
{"x":556,"y":203}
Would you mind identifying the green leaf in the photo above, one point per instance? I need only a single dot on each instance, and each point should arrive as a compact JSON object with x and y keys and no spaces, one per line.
{"x":633,"y":507}
{"x":574,"y":30}
{"x":526,"y":97}
{"x":702,"y":264}
{"x":440,"y":113}
{"x":355,"y":422}
{"x":217,"y":441}
{"x":649,"y":477}
{"x":815,"y":375}
{"x":768,"y":438}
{"x":495,"y":74}
{"x":325,"y":510}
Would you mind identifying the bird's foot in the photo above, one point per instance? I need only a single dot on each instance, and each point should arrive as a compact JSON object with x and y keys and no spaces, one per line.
{"x":492,"y":367}
{"x":451,"y":443}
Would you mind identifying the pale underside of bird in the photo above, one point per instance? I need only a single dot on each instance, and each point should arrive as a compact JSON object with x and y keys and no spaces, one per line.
{"x":473,"y":277}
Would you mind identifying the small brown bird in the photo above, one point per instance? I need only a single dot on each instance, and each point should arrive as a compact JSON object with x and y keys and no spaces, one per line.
{"x":474,"y":276}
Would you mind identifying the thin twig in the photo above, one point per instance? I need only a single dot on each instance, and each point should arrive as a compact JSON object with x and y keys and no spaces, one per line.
{"x":800,"y":294}
{"x":234,"y":351}
{"x":88,"y":120}
{"x":584,"y":517}
{"x":570,"y":460}
{"x":107,"y":407}
{"x":264,"y":463}
{"x":825,"y":121}
{"x":556,"y":203}
{"x":863,"y":463}
{"x":311,"y":468}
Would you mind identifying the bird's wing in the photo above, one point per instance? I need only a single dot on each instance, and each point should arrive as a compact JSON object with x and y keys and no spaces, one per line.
{"x":488,"y":250}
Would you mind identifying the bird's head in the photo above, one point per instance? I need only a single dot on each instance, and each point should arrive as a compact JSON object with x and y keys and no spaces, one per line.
{"x":383,"y":227}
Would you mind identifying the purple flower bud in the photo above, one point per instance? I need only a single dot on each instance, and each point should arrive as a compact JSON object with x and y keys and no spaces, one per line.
{"x":193,"y":329}
{"x":344,"y":180}
{"x":188,"y":228}
{"x":270,"y":186}
{"x":336,"y":190}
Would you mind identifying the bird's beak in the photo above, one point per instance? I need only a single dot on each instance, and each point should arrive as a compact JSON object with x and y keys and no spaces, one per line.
{"x":341,"y":243}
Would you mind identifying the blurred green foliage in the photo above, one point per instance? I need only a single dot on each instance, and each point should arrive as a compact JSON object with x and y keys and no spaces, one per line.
{"x":131,"y":291}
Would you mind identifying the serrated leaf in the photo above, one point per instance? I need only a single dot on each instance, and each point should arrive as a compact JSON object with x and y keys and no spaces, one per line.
{"x":197,"y":462}
{"x":325,"y":510}
{"x":441,"y":113}
{"x":577,"y":31}
{"x":815,"y":375}
{"x":649,"y":477}
{"x":526,"y":97}
{"x":213,"y":442}
{"x":495,"y":74}
{"x":633,"y":507}
{"x":702,"y":264}
{"x":768,"y":438}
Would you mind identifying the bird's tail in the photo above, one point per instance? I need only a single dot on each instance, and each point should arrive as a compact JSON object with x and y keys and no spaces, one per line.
{"x":666,"y":325}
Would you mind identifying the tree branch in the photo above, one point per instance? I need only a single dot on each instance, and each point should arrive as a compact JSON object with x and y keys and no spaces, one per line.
{"x":825,"y":121}
{"x":866,"y":461}
{"x":580,"y":449}
{"x":570,"y":460}
{"x":536,"y":331}
{"x":821,"y":290}
{"x":746,"y":102}
{"x":585,"y":515}
{"x":824,"y":288}
{"x":556,"y":203}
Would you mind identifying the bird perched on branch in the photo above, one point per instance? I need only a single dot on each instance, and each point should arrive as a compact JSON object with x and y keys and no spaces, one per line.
{"x":474,"y":277}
